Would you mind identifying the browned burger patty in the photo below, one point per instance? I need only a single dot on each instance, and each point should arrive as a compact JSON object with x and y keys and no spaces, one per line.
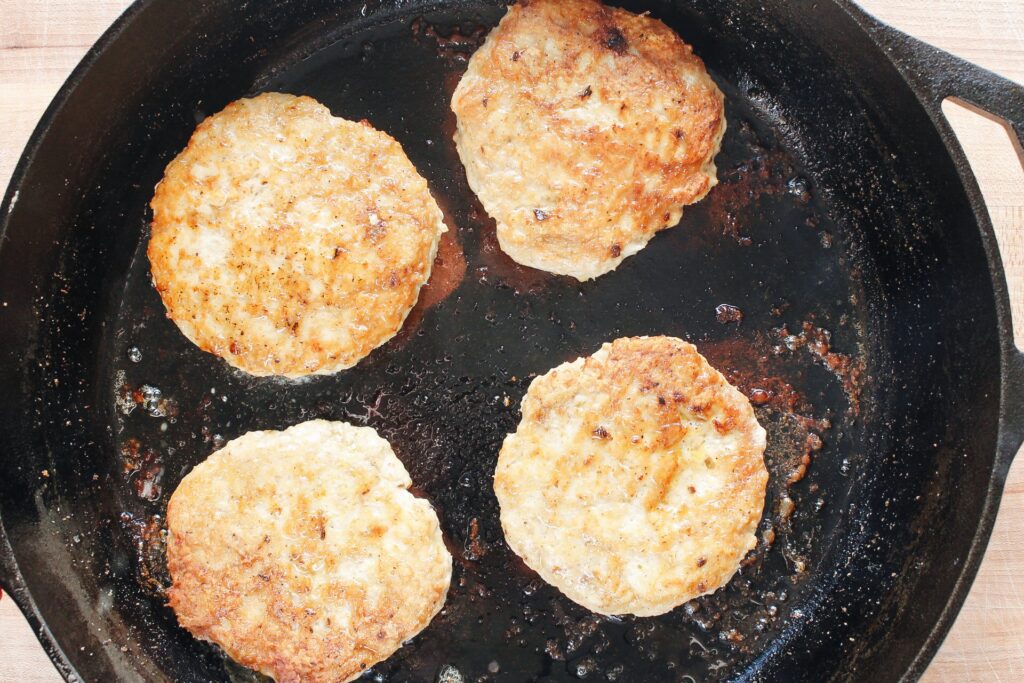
{"x":635,"y":480}
{"x":290,"y":242}
{"x":303,"y":554}
{"x":584,"y":130}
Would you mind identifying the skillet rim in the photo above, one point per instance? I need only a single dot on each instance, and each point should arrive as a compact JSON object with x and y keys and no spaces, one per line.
{"x":908,"y":55}
{"x":12,"y":580}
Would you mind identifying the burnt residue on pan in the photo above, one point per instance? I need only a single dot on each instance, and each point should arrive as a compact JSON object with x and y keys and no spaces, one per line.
{"x":747,"y":276}
{"x":453,"y":42}
{"x":818,"y":341}
{"x":763,"y":172}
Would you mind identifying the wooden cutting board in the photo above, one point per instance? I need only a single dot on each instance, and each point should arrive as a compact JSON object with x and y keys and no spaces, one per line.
{"x":42,"y":40}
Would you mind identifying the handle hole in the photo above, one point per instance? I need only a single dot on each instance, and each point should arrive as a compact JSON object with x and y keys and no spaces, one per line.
{"x":996,"y":157}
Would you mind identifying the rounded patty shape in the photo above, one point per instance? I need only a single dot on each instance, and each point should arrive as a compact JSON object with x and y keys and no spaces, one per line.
{"x":636,"y":478}
{"x":584,"y":130}
{"x":303,"y":554}
{"x":290,"y":242}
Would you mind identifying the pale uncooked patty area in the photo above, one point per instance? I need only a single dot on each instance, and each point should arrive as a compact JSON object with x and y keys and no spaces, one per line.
{"x":636,"y":480}
{"x":290,"y":242}
{"x":584,"y":130}
{"x":303,"y":554}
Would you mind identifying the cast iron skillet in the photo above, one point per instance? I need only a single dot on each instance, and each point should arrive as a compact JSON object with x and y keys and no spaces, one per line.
{"x":848,"y":230}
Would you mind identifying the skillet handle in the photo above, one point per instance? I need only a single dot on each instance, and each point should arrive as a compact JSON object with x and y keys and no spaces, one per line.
{"x":935,"y":75}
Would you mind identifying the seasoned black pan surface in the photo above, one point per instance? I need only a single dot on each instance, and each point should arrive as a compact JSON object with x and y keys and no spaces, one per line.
{"x":837,"y":275}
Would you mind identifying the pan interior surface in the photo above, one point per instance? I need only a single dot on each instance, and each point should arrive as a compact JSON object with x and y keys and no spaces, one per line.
{"x":818,"y":277}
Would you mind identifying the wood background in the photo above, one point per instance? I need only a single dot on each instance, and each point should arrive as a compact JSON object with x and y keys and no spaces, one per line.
{"x":42,"y":40}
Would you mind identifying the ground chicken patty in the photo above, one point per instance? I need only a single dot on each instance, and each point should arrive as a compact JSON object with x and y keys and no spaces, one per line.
{"x":584,"y":130}
{"x":303,"y":554}
{"x":290,"y":242}
{"x":636,"y":479}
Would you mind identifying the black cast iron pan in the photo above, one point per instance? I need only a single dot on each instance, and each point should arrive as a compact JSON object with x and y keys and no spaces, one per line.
{"x":848,"y":230}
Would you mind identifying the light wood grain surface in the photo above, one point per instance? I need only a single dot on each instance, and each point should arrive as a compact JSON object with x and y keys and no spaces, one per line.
{"x":42,"y":40}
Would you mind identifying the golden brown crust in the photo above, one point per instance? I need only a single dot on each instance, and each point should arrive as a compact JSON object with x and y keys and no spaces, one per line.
{"x":584,"y":130}
{"x":290,"y":242}
{"x":302,"y":553}
{"x":635,"y":480}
